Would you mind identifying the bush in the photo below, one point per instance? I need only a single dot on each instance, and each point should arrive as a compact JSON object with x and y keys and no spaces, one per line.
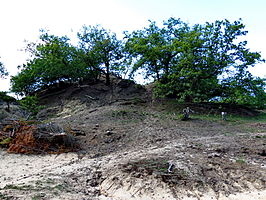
{"x":31,"y":105}
{"x":8,"y":99}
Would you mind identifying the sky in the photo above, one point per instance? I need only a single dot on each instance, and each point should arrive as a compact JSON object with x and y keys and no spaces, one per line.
{"x":22,"y":20}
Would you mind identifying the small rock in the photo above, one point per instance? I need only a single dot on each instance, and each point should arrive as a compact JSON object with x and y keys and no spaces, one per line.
{"x":263,"y":153}
{"x":108,"y":133}
{"x":213,"y":155}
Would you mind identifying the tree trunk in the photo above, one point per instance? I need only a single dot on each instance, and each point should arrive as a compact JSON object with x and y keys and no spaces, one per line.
{"x":107,"y":65}
{"x":8,"y":107}
{"x":157,"y":75}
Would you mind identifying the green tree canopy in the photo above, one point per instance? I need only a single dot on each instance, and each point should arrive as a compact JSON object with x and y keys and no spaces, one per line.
{"x":192,"y":63}
{"x":103,"y":49}
{"x":8,"y":99}
{"x":3,"y":71}
{"x":54,"y":59}
{"x":196,"y":63}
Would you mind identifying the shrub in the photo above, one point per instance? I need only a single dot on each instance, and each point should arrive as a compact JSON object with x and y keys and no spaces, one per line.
{"x":31,"y":105}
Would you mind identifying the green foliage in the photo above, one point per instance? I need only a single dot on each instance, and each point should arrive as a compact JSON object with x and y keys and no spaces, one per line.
{"x":8,"y":99}
{"x":241,"y":161}
{"x":3,"y":71}
{"x":103,"y":49}
{"x":6,"y":141}
{"x":54,"y":60}
{"x":31,"y":104}
{"x":198,"y":63}
{"x":246,"y":91}
{"x":152,"y":49}
{"x":5,"y":97}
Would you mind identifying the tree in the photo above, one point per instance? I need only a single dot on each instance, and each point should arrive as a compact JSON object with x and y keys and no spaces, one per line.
{"x":103,"y":49}
{"x":196,"y":63}
{"x":8,"y":99}
{"x":246,"y":91}
{"x":3,"y":71}
{"x":153,"y":48}
{"x":54,"y":60}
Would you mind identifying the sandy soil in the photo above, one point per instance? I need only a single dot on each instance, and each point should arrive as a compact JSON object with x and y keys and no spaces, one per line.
{"x":122,"y":175}
{"x":74,"y":176}
{"x":128,"y":147}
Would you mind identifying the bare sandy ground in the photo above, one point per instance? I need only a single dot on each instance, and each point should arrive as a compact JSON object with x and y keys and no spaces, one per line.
{"x":72,"y":176}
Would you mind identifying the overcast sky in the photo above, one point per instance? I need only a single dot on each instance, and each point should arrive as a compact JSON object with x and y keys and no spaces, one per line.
{"x":22,"y":19}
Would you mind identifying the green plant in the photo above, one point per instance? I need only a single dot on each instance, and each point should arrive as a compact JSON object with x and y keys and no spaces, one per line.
{"x":8,"y":99}
{"x":19,"y":187}
{"x":38,"y":196}
{"x":5,"y":141}
{"x":228,"y":134}
{"x":260,"y":136}
{"x":31,"y":104}
{"x":59,"y":187}
{"x":188,"y":62}
{"x":3,"y":71}
{"x":241,"y":161}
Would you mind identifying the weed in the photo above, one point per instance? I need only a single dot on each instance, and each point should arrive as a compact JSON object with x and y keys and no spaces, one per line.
{"x":138,"y":86}
{"x":40,"y":186}
{"x":19,"y":187}
{"x":260,"y":136}
{"x":59,"y":187}
{"x":199,"y":145}
{"x":168,"y":115}
{"x":228,"y":134}
{"x":247,"y":119}
{"x":210,"y":117}
{"x":241,"y":161}
{"x":6,"y":141}
{"x":38,"y":196}
{"x":50,"y":181}
{"x":31,"y":104}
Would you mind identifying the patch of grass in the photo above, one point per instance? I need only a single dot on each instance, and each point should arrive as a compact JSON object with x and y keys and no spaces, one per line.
{"x":157,"y":166}
{"x":47,"y":181}
{"x":228,"y":134}
{"x":59,"y":187}
{"x":260,"y":136}
{"x":247,"y":119}
{"x":168,"y":115}
{"x":19,"y":187}
{"x":40,"y":186}
{"x":241,"y":161}
{"x":38,"y":196}
{"x":50,"y":181}
{"x":199,"y":145}
{"x":232,"y":119}
{"x":128,"y":115}
{"x":207,"y":117}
